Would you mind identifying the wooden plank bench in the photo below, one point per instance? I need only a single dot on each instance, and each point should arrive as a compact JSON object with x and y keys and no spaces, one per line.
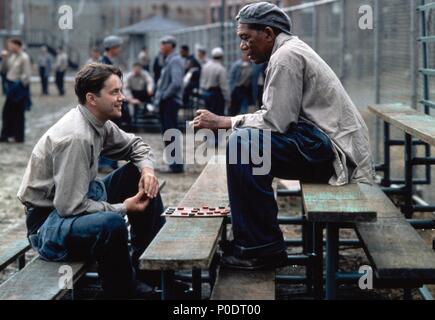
{"x":411,"y":121}
{"x":39,"y":280}
{"x":393,"y":246}
{"x":415,"y":125}
{"x":13,"y":246}
{"x":399,"y":256}
{"x":191,"y":243}
{"x":244,"y":285}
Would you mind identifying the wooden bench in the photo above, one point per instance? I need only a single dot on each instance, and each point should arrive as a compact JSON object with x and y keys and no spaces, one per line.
{"x":244,"y":285}
{"x":40,"y":280}
{"x":399,"y":256}
{"x":13,"y":246}
{"x":416,"y":125}
{"x":191,"y":243}
{"x":411,"y":121}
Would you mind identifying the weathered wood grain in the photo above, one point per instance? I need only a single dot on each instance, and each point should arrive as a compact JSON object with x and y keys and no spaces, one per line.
{"x":13,"y":243}
{"x":244,"y":285}
{"x":326,"y":203}
{"x":185,"y":243}
{"x":409,"y":120}
{"x":396,"y":250}
{"x":291,"y":185}
{"x":39,"y":280}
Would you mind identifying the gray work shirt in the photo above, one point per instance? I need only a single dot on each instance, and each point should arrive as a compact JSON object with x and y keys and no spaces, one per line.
{"x":65,"y":161}
{"x":298,"y":84}
{"x":18,"y":68}
{"x":214,"y":75}
{"x":170,"y":85}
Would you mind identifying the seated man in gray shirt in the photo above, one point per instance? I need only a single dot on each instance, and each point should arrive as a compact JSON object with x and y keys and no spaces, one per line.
{"x":71,"y":215}
{"x":313,"y":130}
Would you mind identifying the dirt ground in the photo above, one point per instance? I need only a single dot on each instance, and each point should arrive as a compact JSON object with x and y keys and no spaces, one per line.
{"x":47,"y":110}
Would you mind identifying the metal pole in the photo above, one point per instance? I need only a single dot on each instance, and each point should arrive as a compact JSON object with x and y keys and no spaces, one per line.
{"x":197,"y":283}
{"x":318,"y":264}
{"x":343,"y":41}
{"x":376,"y":73}
{"x":414,"y":54}
{"x":407,"y":208}
{"x":166,"y":282}
{"x":331,"y":260}
{"x":315,"y":28}
{"x":222,"y":23}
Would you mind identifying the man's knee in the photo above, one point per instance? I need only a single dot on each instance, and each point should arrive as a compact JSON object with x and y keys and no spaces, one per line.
{"x":113,"y":224}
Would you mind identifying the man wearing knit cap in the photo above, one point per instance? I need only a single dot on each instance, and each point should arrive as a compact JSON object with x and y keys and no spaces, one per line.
{"x":317,"y":134}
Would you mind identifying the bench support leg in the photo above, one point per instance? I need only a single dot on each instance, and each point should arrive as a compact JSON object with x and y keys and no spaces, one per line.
{"x":331,"y":260}
{"x":386,"y":180}
{"x":407,"y":294}
{"x":197,"y":283}
{"x":21,"y":261}
{"x":307,"y":239}
{"x":167,"y":278}
{"x":407,"y":208}
{"x":318,"y":261}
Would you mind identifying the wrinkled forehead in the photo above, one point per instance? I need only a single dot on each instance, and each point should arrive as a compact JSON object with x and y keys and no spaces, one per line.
{"x":242,"y":27}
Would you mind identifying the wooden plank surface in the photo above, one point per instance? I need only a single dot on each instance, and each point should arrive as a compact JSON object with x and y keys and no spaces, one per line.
{"x":409,"y":120}
{"x":244,"y":285}
{"x":420,"y":126}
{"x":397,"y":250}
{"x":39,"y":280}
{"x":13,"y":243}
{"x":382,"y":109}
{"x":291,"y":185}
{"x":184,"y":243}
{"x":326,"y":203}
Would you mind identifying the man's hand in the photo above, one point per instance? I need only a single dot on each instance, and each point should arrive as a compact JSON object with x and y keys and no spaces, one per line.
{"x":209,"y":120}
{"x":148,"y":183}
{"x":137,"y":203}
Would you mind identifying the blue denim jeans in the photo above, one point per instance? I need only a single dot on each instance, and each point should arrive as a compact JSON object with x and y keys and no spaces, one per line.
{"x":253,"y":206}
{"x":169,"y":120}
{"x":103,"y":236}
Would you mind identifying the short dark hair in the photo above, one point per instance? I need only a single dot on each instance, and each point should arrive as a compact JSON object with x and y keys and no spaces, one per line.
{"x":91,"y":78}
{"x":185,"y":47}
{"x":16,"y":41}
{"x":261,"y":27}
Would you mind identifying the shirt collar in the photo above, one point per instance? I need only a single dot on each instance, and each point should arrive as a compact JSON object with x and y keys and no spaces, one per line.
{"x":98,"y":125}
{"x":280,"y":40}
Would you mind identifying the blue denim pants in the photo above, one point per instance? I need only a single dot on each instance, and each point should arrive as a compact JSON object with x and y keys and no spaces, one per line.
{"x":296,"y":155}
{"x":103,"y":236}
{"x":169,"y":120}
